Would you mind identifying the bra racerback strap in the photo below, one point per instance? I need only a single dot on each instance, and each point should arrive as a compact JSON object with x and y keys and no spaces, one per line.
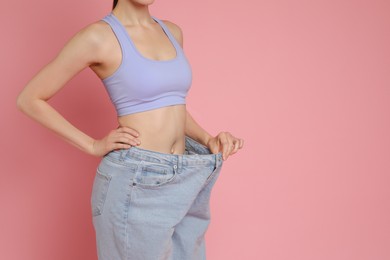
{"x":119,"y":33}
{"x":168,"y":32}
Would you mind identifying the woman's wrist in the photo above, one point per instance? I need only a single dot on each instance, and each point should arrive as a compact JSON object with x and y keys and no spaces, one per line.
{"x":91,"y":147}
{"x":86,"y":144}
{"x":206,"y":139}
{"x":196,"y":132}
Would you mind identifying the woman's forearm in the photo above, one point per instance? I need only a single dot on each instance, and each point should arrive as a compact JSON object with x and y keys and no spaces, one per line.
{"x":195,"y":131}
{"x":46,"y":115}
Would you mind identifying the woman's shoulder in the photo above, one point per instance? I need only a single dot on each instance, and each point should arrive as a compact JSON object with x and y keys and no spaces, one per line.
{"x":94,"y":39}
{"x":95,"y":32}
{"x":175,"y":29}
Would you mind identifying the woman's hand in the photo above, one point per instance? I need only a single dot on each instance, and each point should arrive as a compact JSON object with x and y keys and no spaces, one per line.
{"x":226,"y":143}
{"x":120,"y":138}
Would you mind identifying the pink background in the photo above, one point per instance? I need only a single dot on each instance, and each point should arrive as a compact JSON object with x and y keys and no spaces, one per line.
{"x":306,"y":84}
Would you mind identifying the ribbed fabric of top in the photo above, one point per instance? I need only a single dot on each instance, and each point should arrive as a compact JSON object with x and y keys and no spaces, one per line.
{"x":140,"y":83}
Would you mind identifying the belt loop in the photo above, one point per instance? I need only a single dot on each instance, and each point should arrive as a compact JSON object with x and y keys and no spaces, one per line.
{"x":218,"y":160}
{"x":122,"y":155}
{"x":179,"y":164}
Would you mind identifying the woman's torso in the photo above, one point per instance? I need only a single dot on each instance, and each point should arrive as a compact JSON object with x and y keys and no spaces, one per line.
{"x":161,"y":129}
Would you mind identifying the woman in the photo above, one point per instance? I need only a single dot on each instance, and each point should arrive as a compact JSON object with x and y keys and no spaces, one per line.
{"x":150,"y":196}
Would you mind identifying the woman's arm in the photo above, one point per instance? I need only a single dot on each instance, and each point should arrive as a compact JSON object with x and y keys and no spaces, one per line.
{"x":195,"y":131}
{"x":224,"y":142}
{"x":81,"y":51}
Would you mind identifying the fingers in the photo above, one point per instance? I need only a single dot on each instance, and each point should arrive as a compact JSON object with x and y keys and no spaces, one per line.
{"x":230,"y":144}
{"x":226,"y":141}
{"x":127,"y":135}
{"x":120,"y":138}
{"x":225,"y":146}
{"x":126,"y":140}
{"x":117,"y":146}
{"x":238,"y":144}
{"x":241,"y":143}
{"x":125,"y":129}
{"x":213,"y":145}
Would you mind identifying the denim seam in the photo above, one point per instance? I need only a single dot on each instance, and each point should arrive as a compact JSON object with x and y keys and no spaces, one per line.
{"x":217,"y":167}
{"x":98,"y":210}
{"x":156,"y":186}
{"x":128,"y":204}
{"x":133,"y":165}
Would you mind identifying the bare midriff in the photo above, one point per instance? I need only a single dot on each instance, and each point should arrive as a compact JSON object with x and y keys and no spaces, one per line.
{"x":161,"y":130}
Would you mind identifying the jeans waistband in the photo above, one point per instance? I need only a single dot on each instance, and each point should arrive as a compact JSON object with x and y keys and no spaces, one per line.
{"x":195,"y":154}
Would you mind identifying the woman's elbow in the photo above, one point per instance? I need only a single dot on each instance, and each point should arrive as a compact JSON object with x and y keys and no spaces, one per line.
{"x":20,"y":102}
{"x":23,"y":102}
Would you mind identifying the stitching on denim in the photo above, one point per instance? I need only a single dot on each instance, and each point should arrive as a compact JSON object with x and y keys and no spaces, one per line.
{"x":133,"y":165}
{"x":154,"y":186}
{"x":98,"y":207}
{"x":216,"y":170}
{"x":128,"y":205}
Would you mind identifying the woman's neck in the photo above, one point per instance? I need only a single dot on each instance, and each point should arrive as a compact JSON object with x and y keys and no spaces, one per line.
{"x":131,"y":13}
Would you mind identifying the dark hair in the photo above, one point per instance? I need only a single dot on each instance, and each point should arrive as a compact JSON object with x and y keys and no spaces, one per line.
{"x":114,"y":4}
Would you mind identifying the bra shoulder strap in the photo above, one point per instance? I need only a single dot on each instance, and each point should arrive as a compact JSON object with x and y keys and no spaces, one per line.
{"x":168,"y":32}
{"x":116,"y":28}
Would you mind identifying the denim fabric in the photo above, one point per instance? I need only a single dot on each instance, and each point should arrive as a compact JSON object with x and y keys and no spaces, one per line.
{"x":148,"y":205}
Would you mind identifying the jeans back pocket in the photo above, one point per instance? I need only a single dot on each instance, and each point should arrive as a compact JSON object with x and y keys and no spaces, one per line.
{"x":99,"y":192}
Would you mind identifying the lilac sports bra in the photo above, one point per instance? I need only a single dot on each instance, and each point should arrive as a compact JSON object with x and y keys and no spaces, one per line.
{"x":140,"y":83}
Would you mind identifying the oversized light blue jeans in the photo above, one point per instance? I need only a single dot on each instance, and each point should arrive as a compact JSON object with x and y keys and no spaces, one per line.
{"x":148,"y":205}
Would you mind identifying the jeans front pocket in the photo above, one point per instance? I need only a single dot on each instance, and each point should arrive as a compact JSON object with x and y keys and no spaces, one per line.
{"x":99,"y":192}
{"x":151,"y":174}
